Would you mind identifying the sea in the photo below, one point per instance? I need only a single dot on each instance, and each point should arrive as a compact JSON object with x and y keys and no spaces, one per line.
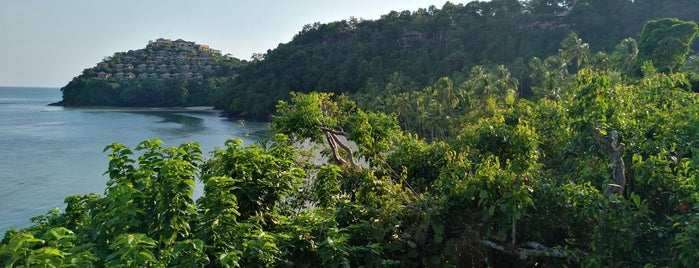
{"x":49,"y":152}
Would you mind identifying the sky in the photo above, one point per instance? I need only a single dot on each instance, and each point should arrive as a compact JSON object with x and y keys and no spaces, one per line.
{"x":47,"y":43}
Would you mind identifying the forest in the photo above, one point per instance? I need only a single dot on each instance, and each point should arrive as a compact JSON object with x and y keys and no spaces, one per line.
{"x":403,"y":49}
{"x":164,"y":74}
{"x":597,"y":168}
{"x":413,"y":49}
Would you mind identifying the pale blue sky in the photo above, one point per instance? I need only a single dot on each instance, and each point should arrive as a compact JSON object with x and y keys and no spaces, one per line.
{"x":47,"y":43}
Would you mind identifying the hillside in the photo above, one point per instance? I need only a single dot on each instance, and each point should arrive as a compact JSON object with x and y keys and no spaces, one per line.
{"x":405,"y":50}
{"x":586,"y":156}
{"x":412,"y":49}
{"x":164,"y":73}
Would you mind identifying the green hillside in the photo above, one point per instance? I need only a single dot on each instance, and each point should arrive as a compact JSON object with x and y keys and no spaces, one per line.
{"x":586,"y":155}
{"x":407,"y":50}
{"x":418,"y":47}
{"x":164,"y":73}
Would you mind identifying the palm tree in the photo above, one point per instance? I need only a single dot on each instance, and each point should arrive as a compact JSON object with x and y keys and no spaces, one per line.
{"x":625,"y":54}
{"x":573,"y":48}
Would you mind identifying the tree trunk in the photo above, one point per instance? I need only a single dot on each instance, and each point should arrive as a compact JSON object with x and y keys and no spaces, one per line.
{"x":610,"y":144}
{"x":334,"y":142}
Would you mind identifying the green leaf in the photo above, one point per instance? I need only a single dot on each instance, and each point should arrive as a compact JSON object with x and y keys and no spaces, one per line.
{"x":483,"y":194}
{"x":636,"y":199}
{"x":438,"y":239}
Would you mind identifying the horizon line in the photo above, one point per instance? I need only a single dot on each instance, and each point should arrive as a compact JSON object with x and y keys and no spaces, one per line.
{"x":33,"y":86}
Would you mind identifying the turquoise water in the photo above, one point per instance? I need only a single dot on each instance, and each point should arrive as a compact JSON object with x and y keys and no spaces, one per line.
{"x":48,"y":153}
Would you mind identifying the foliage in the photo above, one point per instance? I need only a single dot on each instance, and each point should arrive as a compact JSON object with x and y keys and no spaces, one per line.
{"x":456,"y":174}
{"x":262,"y":177}
{"x":319,"y":118}
{"x":361,"y":56}
{"x":89,"y":89}
{"x":666,"y":42}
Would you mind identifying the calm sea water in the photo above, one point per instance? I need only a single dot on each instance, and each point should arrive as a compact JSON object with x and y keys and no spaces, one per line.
{"x":48,"y":153}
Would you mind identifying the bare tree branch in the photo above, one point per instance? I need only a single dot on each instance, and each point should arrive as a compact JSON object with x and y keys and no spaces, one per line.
{"x":333,"y":146}
{"x":335,"y":131}
{"x":346,"y":148}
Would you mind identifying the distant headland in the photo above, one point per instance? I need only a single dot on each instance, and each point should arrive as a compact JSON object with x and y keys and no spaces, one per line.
{"x":165,"y":73}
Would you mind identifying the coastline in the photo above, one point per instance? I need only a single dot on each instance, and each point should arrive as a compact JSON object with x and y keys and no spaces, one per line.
{"x":212,"y":109}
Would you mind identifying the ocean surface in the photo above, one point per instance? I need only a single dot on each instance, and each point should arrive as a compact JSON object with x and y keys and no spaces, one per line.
{"x":48,"y":152}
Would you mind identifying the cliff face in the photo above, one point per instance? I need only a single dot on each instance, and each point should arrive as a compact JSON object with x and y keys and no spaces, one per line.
{"x":164,"y":73}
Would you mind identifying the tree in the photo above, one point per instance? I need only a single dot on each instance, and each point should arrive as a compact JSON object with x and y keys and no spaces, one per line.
{"x":625,"y":55}
{"x":573,"y":48}
{"x":337,"y":122}
{"x":316,"y":117}
{"x":261,"y":176}
{"x":549,"y":6}
{"x":666,"y":42}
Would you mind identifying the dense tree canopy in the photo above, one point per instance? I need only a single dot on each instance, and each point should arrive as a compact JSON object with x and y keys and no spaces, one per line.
{"x":160,"y":75}
{"x":363,"y":56}
{"x":596,"y":166}
{"x":359,"y":56}
{"x":666,"y":42}
{"x":602,"y":171}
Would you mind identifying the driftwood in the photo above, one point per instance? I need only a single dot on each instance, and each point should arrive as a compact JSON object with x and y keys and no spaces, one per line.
{"x":610,"y":144}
